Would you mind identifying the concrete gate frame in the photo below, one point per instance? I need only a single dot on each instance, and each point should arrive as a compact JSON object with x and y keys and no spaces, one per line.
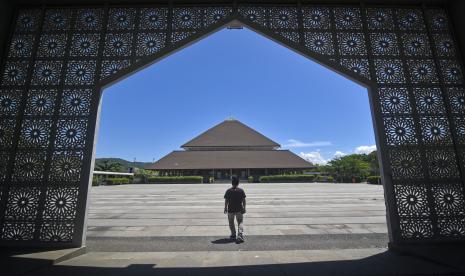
{"x":59,"y":58}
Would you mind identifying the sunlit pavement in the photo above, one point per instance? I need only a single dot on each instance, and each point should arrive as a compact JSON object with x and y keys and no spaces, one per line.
{"x":292,"y":229}
{"x":272,"y":209}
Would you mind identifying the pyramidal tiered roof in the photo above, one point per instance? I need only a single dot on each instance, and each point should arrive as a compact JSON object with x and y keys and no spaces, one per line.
{"x":229,"y":145}
{"x":231,"y":133}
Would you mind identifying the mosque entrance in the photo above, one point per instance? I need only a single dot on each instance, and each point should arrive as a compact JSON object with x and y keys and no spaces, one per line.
{"x":60,"y":58}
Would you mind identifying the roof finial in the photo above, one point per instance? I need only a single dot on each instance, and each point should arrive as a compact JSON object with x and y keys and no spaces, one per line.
{"x":230,"y":118}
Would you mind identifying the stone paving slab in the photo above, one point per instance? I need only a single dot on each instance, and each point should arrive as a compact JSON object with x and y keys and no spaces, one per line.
{"x":223,"y":243}
{"x":163,"y":210}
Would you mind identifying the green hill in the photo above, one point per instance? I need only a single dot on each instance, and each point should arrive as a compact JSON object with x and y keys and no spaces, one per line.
{"x":111,"y":164}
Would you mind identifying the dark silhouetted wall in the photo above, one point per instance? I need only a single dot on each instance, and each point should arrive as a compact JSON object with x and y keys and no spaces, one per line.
{"x":6,"y":13}
{"x":456,"y":10}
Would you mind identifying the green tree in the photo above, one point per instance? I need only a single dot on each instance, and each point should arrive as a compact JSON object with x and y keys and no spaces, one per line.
{"x":349,"y":167}
{"x":108,"y":166}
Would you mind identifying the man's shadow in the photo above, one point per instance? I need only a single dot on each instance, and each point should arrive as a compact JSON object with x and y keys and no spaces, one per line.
{"x":224,"y":241}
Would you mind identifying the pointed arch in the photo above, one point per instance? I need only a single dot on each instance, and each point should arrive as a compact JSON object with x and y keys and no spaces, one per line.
{"x":60,"y":58}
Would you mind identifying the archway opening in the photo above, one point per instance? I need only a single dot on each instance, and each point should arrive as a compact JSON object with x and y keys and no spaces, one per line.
{"x":316,"y":114}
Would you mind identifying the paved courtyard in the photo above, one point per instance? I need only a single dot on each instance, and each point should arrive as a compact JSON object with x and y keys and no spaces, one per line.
{"x":279,"y":216}
{"x":292,"y":229}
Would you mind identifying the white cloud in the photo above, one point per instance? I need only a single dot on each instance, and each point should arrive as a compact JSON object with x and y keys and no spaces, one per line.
{"x":365,"y":149}
{"x":293,"y":143}
{"x":314,"y":156}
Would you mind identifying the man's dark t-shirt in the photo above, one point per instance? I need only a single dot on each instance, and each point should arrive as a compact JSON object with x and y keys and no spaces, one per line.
{"x":234,"y":197}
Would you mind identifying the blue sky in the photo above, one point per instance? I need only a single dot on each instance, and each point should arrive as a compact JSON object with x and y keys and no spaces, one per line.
{"x":305,"y":107}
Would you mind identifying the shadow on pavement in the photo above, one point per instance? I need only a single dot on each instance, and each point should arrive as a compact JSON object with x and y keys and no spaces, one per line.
{"x":15,"y":261}
{"x":386,"y":263}
{"x":223,"y":241}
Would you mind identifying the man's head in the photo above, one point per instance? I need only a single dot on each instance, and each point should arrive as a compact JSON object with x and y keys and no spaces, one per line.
{"x":235,"y":181}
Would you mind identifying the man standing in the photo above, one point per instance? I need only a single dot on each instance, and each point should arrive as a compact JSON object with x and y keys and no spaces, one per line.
{"x":234,"y":206}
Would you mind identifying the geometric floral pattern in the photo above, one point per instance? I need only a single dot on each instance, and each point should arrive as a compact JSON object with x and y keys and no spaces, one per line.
{"x":85,"y":45}
{"x":416,"y":228}
{"x":291,"y":36}
{"x":444,"y":45}
{"x":416,"y":45}
{"x":442,"y":164}
{"x":347,"y":18}
{"x":52,"y":45}
{"x":18,"y":231}
{"x":150,"y":43}
{"x":411,"y":200}
{"x":389,"y":71}
{"x":380,"y":19}
{"x":46,"y":73}
{"x":76,"y":102}
{"x":153,"y":19}
{"x":56,"y":232}
{"x":448,"y":199}
{"x":66,"y":166}
{"x":406,"y":164}
{"x":89,"y":19}
{"x":316,"y":18}
{"x":218,"y":14}
{"x":456,"y":98}
{"x":41,"y":102}
{"x":57,"y":19}
{"x":454,"y":227}
{"x":451,"y":71}
{"x":118,"y":44}
{"x":21,"y":46}
{"x":22,"y":203}
{"x":177,"y":37}
{"x":58,"y":59}
{"x":14,"y":73}
{"x":435,"y":130}
{"x":121,"y":19}
{"x":400,"y":131}
{"x":394,"y":100}
{"x":253,"y":14}
{"x":112,"y":67}
{"x":27,"y":20}
{"x":9,"y":102}
{"x":60,"y":203}
{"x":429,"y":100}
{"x":437,"y":19}
{"x":283,"y":18}
{"x":29,"y":166}
{"x":35,"y":134}
{"x":70,"y":133}
{"x":319,"y":42}
{"x":351,"y":43}
{"x":410,"y":19}
{"x":357,"y":66}
{"x":422,"y":71}
{"x":384,"y":44}
{"x":80,"y":72}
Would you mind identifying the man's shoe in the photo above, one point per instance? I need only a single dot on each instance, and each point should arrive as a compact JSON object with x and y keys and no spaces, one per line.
{"x":240,"y":239}
{"x":232,"y":237}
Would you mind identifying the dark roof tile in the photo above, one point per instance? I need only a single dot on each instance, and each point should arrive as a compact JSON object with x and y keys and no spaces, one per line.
{"x":183,"y":160}
{"x":231,"y":133}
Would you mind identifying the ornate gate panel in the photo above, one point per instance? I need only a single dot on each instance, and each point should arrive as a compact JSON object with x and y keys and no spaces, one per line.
{"x":60,"y":58}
